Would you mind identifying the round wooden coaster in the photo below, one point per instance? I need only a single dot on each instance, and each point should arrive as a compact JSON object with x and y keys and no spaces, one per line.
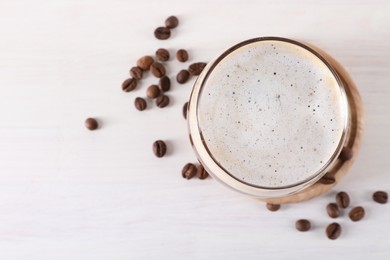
{"x":354,"y":138}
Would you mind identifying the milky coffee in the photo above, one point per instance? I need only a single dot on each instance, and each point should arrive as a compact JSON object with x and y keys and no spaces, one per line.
{"x":271,"y":113}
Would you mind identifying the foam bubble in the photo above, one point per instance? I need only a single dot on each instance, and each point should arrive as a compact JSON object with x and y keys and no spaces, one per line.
{"x":271,"y":113}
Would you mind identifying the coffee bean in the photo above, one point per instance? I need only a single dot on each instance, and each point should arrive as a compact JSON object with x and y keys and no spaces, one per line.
{"x":185,"y":110}
{"x":273,"y":207}
{"x":196,"y":68}
{"x":162,"y":33}
{"x":145,"y":62}
{"x":342,"y":200}
{"x":333,"y":210}
{"x":162,"y":54}
{"x":201,"y":173}
{"x":380,"y":197}
{"x":356,"y":214}
{"x":302,"y":225}
{"x":159,"y":148}
{"x":162,"y":101}
{"x":327,"y":179}
{"x":157,"y":69}
{"x":346,"y":154}
{"x":136,"y":72}
{"x":164,"y":84}
{"x":153,"y":91}
{"x":91,"y":124}
{"x":333,"y":231}
{"x":140,"y":103}
{"x":129,"y":84}
{"x":171,"y":22}
{"x":189,"y":170}
{"x":182,"y":55}
{"x":182,"y":76}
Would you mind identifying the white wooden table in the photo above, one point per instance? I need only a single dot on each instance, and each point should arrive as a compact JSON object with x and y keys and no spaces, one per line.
{"x":67,"y":193}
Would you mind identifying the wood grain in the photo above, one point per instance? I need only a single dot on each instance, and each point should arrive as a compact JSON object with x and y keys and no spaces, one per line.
{"x":69,"y":193}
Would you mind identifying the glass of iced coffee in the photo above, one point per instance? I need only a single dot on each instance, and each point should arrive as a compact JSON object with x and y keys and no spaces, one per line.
{"x":268,"y":117}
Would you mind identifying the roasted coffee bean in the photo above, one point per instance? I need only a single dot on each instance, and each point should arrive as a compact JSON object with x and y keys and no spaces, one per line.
{"x":182,"y":76}
{"x":302,"y":225}
{"x":189,"y":170}
{"x":159,"y":148}
{"x":157,"y":69}
{"x":380,"y":197}
{"x":273,"y":207}
{"x":136,"y":72}
{"x":196,"y":68}
{"x":164,"y":84}
{"x":145,"y":62}
{"x":171,"y":22}
{"x":129,"y":84}
{"x":201,"y":173}
{"x":333,"y":231}
{"x":140,"y":103}
{"x":356,"y":214}
{"x":153,"y":91}
{"x":91,"y":124}
{"x":162,"y":54}
{"x":185,"y":110}
{"x":346,"y":154}
{"x":342,"y":200}
{"x":162,"y":33}
{"x":327,"y":179}
{"x":182,"y":55}
{"x":162,"y":101}
{"x":333,"y":210}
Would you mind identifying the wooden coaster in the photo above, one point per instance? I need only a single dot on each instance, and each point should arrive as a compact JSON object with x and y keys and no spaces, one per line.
{"x":353,"y":141}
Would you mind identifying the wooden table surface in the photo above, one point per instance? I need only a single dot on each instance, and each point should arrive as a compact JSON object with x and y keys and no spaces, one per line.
{"x":68,"y":193}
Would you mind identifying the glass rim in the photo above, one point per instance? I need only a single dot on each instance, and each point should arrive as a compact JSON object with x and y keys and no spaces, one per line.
{"x":217,"y":170}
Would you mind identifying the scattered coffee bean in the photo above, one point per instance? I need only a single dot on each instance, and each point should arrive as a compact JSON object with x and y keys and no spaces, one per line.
{"x":153,"y":91}
{"x":129,"y":84}
{"x":136,"y":72}
{"x":189,"y":170}
{"x":162,"y":101}
{"x":333,"y":231}
{"x":201,"y":173}
{"x":185,"y":110}
{"x":91,"y":124}
{"x":182,"y":55}
{"x":162,"y":33}
{"x":182,"y":76}
{"x":302,"y":225}
{"x":164,"y":84}
{"x":162,"y":54}
{"x":145,"y":62}
{"x":346,"y":154}
{"x":157,"y":69}
{"x":140,"y":103}
{"x":159,"y":148}
{"x":171,"y":22}
{"x":273,"y":207}
{"x":196,"y":68}
{"x":356,"y":214}
{"x":333,"y":210}
{"x":342,"y":200}
{"x":327,"y":179}
{"x":380,"y":197}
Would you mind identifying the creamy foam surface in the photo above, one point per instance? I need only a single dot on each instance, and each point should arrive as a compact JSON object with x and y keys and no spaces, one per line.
{"x":271,"y":114}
